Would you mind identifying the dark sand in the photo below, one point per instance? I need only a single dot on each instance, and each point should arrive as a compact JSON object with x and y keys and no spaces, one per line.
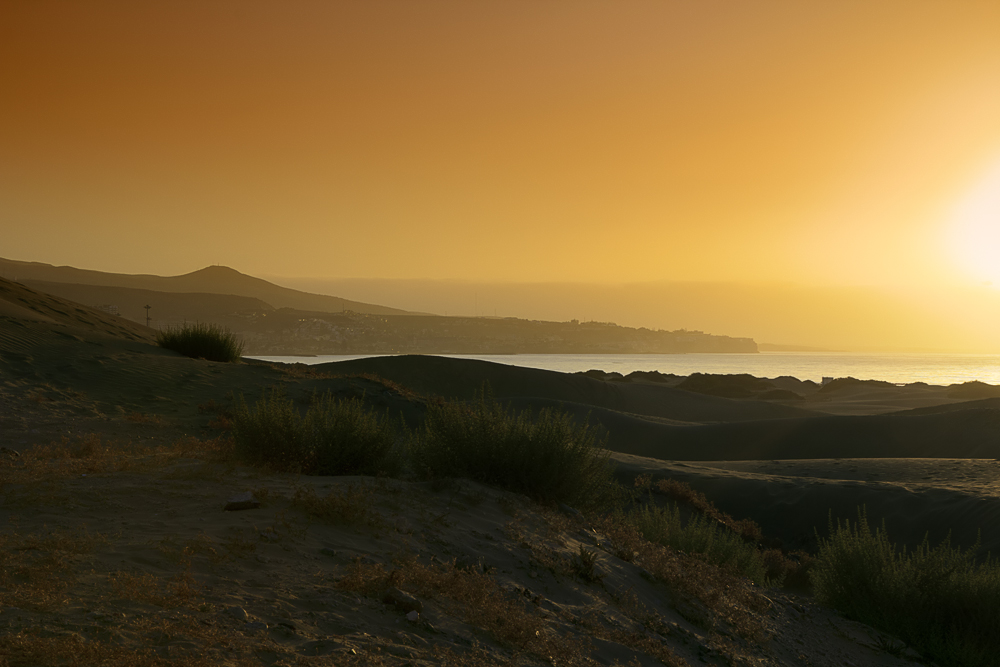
{"x":918,"y":457}
{"x":921,"y":458}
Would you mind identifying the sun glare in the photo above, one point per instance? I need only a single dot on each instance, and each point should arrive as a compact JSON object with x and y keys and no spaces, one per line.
{"x":975,"y":229}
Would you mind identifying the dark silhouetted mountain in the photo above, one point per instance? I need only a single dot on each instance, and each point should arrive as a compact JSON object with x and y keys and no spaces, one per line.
{"x":210,"y":280}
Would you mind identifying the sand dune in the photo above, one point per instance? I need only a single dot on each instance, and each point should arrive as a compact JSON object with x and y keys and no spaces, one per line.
{"x":19,"y":303}
{"x":464,"y":378}
{"x":71,"y":372}
{"x":791,"y":500}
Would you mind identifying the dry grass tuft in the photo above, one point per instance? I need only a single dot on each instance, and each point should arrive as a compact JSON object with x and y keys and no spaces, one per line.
{"x":682,"y":493}
{"x":476,"y":598}
{"x":200,"y":545}
{"x":352,"y":504}
{"x":35,"y":569}
{"x":149,"y":419}
{"x":706,"y":595}
{"x":88,"y":455}
{"x":177,"y":591}
{"x":208,"y":646}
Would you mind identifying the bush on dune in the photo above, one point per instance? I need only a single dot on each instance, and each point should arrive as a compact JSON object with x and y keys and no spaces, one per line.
{"x":546,"y":456}
{"x":941,"y":600}
{"x":700,"y":535}
{"x":202,"y":341}
{"x":333,"y":437}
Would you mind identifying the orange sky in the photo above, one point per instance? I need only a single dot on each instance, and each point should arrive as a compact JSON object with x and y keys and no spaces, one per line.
{"x":838,"y":143}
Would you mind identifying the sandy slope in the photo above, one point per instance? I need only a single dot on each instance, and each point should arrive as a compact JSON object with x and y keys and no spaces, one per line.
{"x":792,"y":499}
{"x":148,"y":558}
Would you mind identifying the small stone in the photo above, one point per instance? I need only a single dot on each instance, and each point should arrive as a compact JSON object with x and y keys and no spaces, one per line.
{"x":413,"y":616}
{"x":255,"y":626}
{"x":283,"y":626}
{"x":327,"y":551}
{"x":239,"y":613}
{"x":401,"y":600}
{"x":243,"y":501}
{"x":570,"y":511}
{"x":269,"y":535}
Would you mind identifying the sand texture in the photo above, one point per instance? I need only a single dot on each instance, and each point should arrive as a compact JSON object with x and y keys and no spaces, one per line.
{"x":115,"y":535}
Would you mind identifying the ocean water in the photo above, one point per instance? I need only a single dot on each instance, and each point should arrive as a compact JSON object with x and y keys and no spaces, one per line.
{"x":943,"y":369}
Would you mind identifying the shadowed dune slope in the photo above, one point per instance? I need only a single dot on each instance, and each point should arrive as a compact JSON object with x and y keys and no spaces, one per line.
{"x":672,"y":424}
{"x":971,"y":433}
{"x":464,"y":378}
{"x":918,"y":498}
{"x":20,"y":305}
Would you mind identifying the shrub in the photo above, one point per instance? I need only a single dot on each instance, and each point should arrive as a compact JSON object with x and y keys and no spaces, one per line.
{"x":681,"y":492}
{"x":547,"y":456}
{"x":940,"y":600}
{"x":334,"y":437}
{"x":701,"y":535}
{"x":202,"y":341}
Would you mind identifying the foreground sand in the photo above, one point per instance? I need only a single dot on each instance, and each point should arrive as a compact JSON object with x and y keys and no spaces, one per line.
{"x":146,"y":558}
{"x":139,"y":554}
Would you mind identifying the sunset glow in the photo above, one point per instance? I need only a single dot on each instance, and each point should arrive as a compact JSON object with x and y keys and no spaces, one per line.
{"x":976,"y":232}
{"x":821,"y":145}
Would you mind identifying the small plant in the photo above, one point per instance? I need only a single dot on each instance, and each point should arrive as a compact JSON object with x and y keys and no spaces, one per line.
{"x":702,"y":535}
{"x":715,"y":595}
{"x":547,"y":456}
{"x":334,"y":437}
{"x":202,"y":341}
{"x":150,"y":419}
{"x":940,"y":600}
{"x":585,"y":565}
{"x":682,"y":492}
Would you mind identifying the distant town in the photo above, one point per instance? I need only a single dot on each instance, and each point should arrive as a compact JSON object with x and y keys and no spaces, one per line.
{"x":275,"y":320}
{"x":289,"y":332}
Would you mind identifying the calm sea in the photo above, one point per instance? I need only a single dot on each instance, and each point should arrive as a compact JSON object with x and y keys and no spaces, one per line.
{"x":941,"y":369}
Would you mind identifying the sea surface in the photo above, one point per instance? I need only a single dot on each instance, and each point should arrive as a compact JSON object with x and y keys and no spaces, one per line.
{"x":941,"y":369}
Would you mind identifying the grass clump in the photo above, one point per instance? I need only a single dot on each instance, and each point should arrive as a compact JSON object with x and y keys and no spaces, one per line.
{"x":333,"y":437}
{"x":546,"y":456}
{"x":202,"y":341}
{"x":700,"y":535}
{"x":940,"y":600}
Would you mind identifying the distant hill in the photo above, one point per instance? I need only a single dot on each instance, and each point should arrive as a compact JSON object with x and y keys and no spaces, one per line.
{"x":166,"y":308}
{"x":210,"y":280}
{"x":277,"y":320}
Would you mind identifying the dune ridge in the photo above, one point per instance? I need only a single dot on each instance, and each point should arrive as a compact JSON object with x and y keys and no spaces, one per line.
{"x":94,"y":387}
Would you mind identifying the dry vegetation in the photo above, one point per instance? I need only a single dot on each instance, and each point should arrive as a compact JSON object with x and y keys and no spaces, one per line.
{"x":499,"y":579}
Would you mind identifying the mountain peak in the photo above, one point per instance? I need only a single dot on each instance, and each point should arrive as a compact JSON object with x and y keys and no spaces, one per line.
{"x":215,"y":270}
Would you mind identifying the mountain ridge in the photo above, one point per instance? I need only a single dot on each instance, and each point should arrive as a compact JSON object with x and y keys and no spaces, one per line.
{"x":214,"y":279}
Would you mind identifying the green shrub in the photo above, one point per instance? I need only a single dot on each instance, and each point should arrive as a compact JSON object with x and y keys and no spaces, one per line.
{"x":701,"y":535}
{"x":547,"y":457}
{"x":333,"y":437}
{"x":940,"y":600}
{"x":202,"y":341}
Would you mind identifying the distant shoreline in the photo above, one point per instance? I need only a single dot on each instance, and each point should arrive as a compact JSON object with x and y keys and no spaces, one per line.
{"x":900,"y":368}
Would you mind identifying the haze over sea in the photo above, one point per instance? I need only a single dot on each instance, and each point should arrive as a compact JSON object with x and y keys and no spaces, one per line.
{"x":939,"y":369}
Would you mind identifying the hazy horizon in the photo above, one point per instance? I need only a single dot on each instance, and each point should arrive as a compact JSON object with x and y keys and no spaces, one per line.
{"x":804,"y":174}
{"x":948,"y":320}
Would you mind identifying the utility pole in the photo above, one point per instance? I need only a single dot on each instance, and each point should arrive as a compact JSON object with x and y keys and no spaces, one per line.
{"x":147,"y":314}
